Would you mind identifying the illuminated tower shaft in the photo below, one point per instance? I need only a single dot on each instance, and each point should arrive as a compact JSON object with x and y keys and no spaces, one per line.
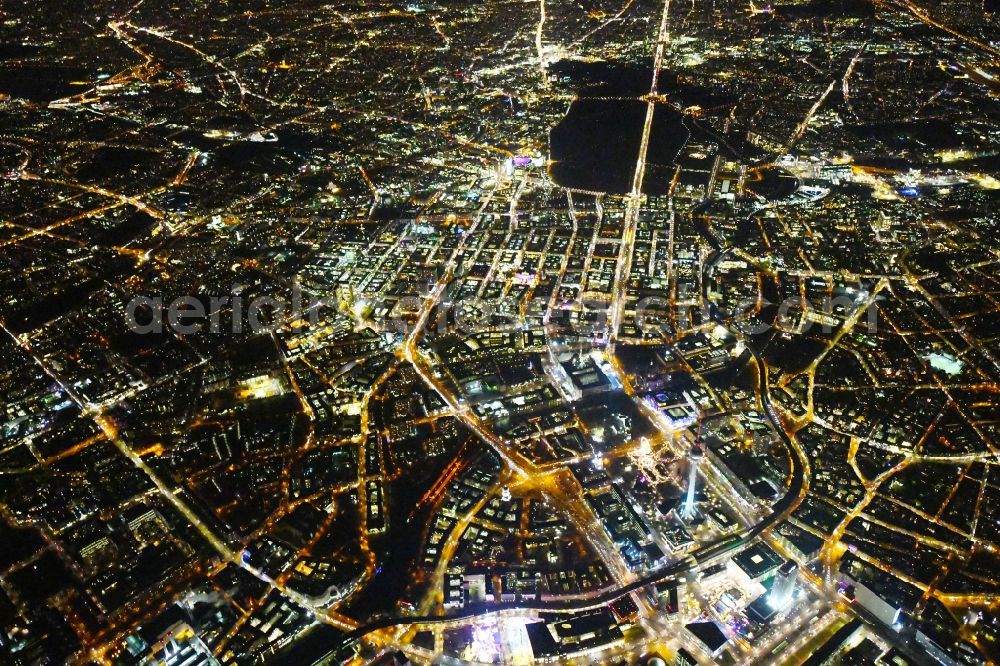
{"x":694,"y":456}
{"x":783,"y":588}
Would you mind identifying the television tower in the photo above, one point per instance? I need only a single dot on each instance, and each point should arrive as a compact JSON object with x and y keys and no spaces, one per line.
{"x":783,"y":588}
{"x":695,"y":456}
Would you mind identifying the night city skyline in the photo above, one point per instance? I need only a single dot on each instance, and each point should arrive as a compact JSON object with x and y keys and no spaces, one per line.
{"x":516,"y":332}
